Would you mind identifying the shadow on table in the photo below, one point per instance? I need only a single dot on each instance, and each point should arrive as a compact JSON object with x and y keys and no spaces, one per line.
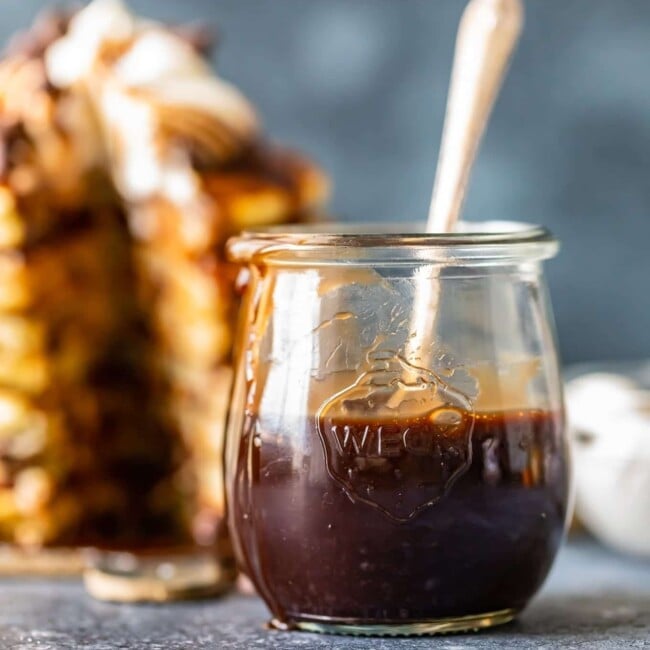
{"x":584,"y":615}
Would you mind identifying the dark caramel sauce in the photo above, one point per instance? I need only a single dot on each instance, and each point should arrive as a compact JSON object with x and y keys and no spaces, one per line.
{"x":408,"y":519}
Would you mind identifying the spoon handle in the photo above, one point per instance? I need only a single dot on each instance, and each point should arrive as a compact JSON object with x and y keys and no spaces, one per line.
{"x":487,"y":36}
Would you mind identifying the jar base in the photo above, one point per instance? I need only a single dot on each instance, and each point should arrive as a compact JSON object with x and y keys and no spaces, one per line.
{"x":351,"y":627}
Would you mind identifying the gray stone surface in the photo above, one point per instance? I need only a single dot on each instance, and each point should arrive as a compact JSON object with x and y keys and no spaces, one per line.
{"x":593,"y":599}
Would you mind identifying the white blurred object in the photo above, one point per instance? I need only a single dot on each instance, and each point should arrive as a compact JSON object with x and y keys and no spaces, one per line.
{"x":609,"y":420}
{"x":149,"y":89}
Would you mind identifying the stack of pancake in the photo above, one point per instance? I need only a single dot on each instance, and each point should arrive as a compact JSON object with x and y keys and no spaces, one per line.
{"x":125,"y":164}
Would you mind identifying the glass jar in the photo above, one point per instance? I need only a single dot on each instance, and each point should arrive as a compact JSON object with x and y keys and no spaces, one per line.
{"x":396,"y":457}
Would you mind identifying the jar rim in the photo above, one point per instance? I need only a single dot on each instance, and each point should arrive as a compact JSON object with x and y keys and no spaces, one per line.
{"x":332,"y":243}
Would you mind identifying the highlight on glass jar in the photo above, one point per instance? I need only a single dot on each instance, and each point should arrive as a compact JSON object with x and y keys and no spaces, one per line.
{"x":396,"y":457}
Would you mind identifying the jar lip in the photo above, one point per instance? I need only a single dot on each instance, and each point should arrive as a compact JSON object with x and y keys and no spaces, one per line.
{"x":343,"y":242}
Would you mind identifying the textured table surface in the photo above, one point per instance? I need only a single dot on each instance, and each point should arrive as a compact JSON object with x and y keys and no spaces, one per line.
{"x":593,"y":599}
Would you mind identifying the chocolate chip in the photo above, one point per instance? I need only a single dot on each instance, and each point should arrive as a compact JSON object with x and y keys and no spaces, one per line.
{"x":48,"y":26}
{"x":11,"y":132}
{"x":201,"y":37}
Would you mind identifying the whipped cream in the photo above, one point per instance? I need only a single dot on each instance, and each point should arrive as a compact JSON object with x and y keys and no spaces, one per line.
{"x":609,"y":419}
{"x":73,"y":57}
{"x":143,"y":80}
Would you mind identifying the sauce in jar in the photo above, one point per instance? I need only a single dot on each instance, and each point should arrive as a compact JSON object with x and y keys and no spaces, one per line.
{"x":385,"y":479}
{"x":401,"y":520}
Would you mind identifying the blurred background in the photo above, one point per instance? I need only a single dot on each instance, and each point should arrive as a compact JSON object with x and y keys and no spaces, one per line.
{"x":361,"y":85}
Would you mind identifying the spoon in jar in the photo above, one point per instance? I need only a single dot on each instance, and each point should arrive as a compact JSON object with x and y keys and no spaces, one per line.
{"x":487,"y":36}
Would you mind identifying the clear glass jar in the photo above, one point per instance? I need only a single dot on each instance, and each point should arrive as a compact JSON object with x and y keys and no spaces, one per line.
{"x":396,"y":458}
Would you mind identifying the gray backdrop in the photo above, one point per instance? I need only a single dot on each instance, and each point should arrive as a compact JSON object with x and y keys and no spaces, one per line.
{"x":361,"y":84}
